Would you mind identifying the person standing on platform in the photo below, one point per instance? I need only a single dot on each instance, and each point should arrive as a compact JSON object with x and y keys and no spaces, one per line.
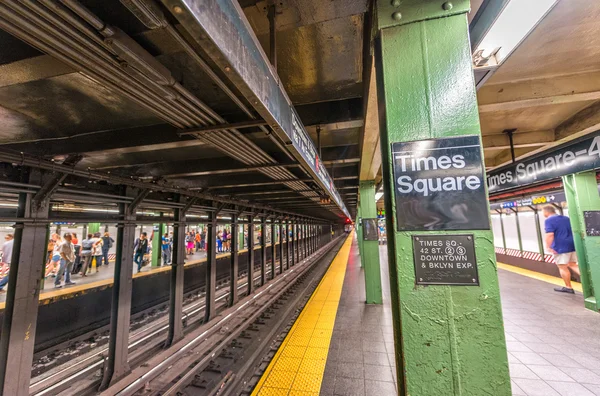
{"x":107,"y":243}
{"x":67,"y":257}
{"x":7,"y":249}
{"x":97,"y":250}
{"x":189,"y":243}
{"x":140,"y":248}
{"x":203,"y":239}
{"x":86,"y":254}
{"x":166,"y":249}
{"x":197,"y":240}
{"x":559,"y":240}
{"x":54,"y":243}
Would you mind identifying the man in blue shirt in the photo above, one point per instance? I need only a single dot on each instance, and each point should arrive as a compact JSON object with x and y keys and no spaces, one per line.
{"x":559,"y":240}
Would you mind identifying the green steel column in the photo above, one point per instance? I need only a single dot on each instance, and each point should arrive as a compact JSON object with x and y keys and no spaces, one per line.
{"x":370,"y":249}
{"x":157,"y":245}
{"x":93,"y":228}
{"x":449,"y":340}
{"x":359,"y":233}
{"x":582,"y":195}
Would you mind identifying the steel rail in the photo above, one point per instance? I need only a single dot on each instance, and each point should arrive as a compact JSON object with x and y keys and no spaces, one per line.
{"x":248,"y":305}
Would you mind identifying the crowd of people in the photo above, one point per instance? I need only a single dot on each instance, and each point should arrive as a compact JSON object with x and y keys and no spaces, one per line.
{"x":67,"y":255}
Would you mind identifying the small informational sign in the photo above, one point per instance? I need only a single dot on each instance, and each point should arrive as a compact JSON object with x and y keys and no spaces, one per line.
{"x":592,"y":222}
{"x":445,"y":260}
{"x":440,"y":185}
{"x":370,"y":230}
{"x":572,"y":157}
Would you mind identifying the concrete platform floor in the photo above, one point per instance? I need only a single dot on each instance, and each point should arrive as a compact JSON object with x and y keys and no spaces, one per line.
{"x":553,"y":341}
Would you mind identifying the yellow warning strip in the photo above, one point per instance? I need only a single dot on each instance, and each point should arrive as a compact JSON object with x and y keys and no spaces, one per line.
{"x":539,"y":276}
{"x":298,"y":366}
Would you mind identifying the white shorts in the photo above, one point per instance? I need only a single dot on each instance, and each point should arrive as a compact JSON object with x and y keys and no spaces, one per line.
{"x":565,"y":258}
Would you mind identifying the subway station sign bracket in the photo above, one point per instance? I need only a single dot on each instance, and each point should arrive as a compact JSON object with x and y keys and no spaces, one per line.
{"x":440,"y":185}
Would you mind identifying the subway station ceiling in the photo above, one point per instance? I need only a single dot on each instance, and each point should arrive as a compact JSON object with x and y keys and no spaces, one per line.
{"x":65,"y":89}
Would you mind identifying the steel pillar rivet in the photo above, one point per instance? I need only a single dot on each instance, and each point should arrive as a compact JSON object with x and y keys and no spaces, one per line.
{"x":227,"y":68}
{"x":396,"y":3}
{"x":447,"y":6}
{"x":177,"y":10}
{"x":396,"y":16}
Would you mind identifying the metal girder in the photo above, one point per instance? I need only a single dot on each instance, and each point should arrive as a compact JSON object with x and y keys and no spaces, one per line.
{"x":273,"y":250}
{"x":234,"y":262}
{"x":131,"y":208}
{"x":211,"y":268}
{"x":116,"y":365}
{"x":22,"y":300}
{"x":215,"y":128}
{"x":228,"y":171}
{"x":263,"y":250}
{"x":221,"y":29}
{"x":177,"y":276}
{"x":250,"y":254}
{"x":16,"y":158}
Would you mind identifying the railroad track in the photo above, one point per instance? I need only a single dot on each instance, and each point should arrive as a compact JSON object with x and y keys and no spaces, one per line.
{"x":182,"y":369}
{"x":77,"y":361}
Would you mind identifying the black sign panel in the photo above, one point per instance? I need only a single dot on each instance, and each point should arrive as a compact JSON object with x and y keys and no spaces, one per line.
{"x":439,"y":185}
{"x":370,"y":230}
{"x":445,"y":260}
{"x":592,"y":222}
{"x":573,"y":157}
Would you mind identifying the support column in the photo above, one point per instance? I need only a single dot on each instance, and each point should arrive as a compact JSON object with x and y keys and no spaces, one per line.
{"x":211,"y":267}
{"x":273,"y":250}
{"x":263,"y":250}
{"x":177,"y":278}
{"x":285,"y":234}
{"x":359,"y":232}
{"x":370,"y":249}
{"x":157,"y":244}
{"x":116,"y":366}
{"x":294,"y":243}
{"x":305,"y":239}
{"x":250,"y":254}
{"x":234,"y":268}
{"x":582,"y":196}
{"x":449,"y":340}
{"x":281,"y":231}
{"x":23,"y":293}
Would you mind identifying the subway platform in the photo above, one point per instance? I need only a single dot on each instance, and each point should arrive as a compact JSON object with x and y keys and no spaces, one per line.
{"x":341,"y":346}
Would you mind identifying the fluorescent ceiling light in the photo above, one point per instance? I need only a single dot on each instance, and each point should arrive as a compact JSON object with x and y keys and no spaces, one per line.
{"x":378,"y":196}
{"x":512,"y":26}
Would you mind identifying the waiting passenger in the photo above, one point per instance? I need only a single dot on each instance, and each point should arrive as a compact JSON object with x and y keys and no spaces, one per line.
{"x":140,"y":248}
{"x":97,"y":250}
{"x":67,"y":257}
{"x":54,"y":243}
{"x":189,"y":243}
{"x":166,"y":249}
{"x":559,"y":240}
{"x":86,"y":254}
{"x":107,"y":244}
{"x":7,"y":249}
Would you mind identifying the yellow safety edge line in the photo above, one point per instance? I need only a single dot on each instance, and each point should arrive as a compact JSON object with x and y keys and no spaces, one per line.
{"x":539,"y":276}
{"x":298,"y":365}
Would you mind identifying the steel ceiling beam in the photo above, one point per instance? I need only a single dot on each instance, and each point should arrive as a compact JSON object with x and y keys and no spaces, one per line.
{"x":221,"y":29}
{"x":217,"y":128}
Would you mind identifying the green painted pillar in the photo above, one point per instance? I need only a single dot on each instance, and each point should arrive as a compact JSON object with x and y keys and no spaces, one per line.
{"x":582,"y":195}
{"x":159,"y":230}
{"x":359,"y":234}
{"x":449,"y":340}
{"x":93,"y":228}
{"x":370,"y":249}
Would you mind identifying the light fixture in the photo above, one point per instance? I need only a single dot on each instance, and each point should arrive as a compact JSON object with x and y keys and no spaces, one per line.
{"x":378,"y":196}
{"x":514,"y":23}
